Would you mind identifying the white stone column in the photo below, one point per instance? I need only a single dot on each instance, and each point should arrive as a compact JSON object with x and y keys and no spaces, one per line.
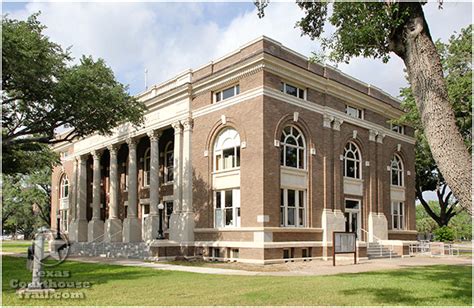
{"x":79,"y":230}
{"x":152,"y":221}
{"x":132,"y":229}
{"x":96,"y":225}
{"x":113,"y":225}
{"x":72,"y":202}
{"x":175,"y":231}
{"x":187,"y":213}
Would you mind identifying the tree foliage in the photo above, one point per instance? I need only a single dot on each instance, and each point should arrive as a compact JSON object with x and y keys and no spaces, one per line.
{"x":26,"y":202}
{"x":44,"y":93}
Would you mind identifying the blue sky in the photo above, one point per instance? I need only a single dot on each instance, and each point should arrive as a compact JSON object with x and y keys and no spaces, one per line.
{"x":168,"y":38}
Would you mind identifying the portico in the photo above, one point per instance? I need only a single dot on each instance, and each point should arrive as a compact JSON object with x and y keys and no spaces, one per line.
{"x":117,"y":217}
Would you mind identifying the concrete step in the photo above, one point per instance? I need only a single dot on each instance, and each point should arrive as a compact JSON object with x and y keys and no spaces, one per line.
{"x":371,"y":257}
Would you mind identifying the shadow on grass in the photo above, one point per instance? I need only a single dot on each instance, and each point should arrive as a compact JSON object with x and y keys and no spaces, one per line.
{"x":455,"y":280}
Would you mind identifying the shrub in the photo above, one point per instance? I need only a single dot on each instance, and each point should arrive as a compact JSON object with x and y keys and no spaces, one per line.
{"x":444,"y":234}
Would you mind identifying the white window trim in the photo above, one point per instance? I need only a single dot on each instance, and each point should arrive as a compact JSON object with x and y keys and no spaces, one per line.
{"x":357,"y":162}
{"x":220,"y":152}
{"x":283,"y":146}
{"x":236,"y":88}
{"x":297,"y":208}
{"x":360,"y":112}
{"x":400,"y":217}
{"x":63,"y":184}
{"x":399,"y":129}
{"x":400,"y":171}
{"x":235,"y":209}
{"x":298,"y":88}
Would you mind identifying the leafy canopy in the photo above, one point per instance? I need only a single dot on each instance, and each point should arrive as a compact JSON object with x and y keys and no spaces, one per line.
{"x":44,"y":93}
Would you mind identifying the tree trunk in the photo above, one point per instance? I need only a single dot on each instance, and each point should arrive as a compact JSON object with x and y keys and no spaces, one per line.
{"x":425,"y":75}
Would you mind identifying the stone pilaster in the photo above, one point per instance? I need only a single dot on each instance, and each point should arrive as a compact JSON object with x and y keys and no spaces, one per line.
{"x":72,"y":203}
{"x":96,"y":225}
{"x":337,"y":166}
{"x":152,"y":221}
{"x":79,"y":230}
{"x":177,"y":180}
{"x":113,"y":225}
{"x":132,"y":225}
{"x":187,"y":213}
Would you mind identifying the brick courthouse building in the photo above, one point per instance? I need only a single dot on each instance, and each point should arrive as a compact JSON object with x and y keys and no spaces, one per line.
{"x":256,"y":157}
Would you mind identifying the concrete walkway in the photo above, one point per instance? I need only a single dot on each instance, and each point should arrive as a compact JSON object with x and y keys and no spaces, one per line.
{"x":313,"y":268}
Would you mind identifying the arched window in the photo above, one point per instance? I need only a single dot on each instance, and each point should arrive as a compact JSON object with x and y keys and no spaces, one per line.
{"x":293,"y":148}
{"x":397,"y":170}
{"x":64,"y":193}
{"x":146,"y":168}
{"x":169,"y":162}
{"x":352,"y":159}
{"x":227,"y":150}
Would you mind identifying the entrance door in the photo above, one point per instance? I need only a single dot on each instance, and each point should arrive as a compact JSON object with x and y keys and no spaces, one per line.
{"x":352,"y":214}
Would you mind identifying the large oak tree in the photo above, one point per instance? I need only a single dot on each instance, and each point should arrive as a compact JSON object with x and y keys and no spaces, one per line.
{"x":377,"y":29}
{"x":44,"y":93}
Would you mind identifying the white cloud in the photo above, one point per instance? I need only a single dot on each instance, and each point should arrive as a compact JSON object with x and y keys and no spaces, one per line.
{"x":167,"y":38}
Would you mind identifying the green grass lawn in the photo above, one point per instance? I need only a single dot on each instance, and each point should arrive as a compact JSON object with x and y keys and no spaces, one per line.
{"x":15,"y":246}
{"x":117,"y":285}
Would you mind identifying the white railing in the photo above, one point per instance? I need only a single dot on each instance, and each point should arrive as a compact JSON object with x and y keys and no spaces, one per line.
{"x":378,"y":241}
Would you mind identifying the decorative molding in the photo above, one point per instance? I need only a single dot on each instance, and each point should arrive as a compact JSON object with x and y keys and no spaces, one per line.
{"x":154,"y":135}
{"x":113,"y":149}
{"x":243,"y":144}
{"x":373,"y":135}
{"x":327,"y":120}
{"x":177,"y":127}
{"x":96,"y":154}
{"x":381,"y":136}
{"x":367,"y":163}
{"x":276,"y":143}
{"x":408,"y":173}
{"x":354,"y":134}
{"x":399,"y":147}
{"x":131,"y":142}
{"x":223,"y":119}
{"x":188,"y":124}
{"x":206,"y":153}
{"x":336,"y":124}
{"x":313,"y":151}
{"x":295,"y":116}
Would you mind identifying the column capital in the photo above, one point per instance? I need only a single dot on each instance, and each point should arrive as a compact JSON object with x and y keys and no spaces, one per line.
{"x":327,"y":120}
{"x":373,"y":134}
{"x":188,"y":124}
{"x":177,"y":127}
{"x":131,"y":142}
{"x":81,"y":158}
{"x":336,"y":124}
{"x":113,"y":149}
{"x":154,"y":135}
{"x":380,"y":138}
{"x":96,"y":154}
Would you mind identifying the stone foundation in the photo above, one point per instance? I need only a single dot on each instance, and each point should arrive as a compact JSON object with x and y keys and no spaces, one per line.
{"x":111,"y":250}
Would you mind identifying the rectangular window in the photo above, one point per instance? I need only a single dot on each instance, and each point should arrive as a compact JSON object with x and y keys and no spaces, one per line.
{"x":226,"y":93}
{"x":292,"y":90}
{"x":292,"y":208}
{"x":354,"y":112}
{"x":398,"y":215}
{"x":227,"y":208}
{"x":400,"y":129}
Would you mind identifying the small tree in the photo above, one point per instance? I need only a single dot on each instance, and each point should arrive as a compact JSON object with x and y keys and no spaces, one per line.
{"x":42,"y":93}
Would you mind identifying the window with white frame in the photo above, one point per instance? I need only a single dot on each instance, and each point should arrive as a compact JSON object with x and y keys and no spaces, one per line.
{"x":227,"y":150}
{"x":292,"y":208}
{"x":146,"y":168}
{"x":293,"y":148}
{"x":354,"y":112}
{"x":398,"y":215}
{"x":352,"y":161}
{"x":169,"y":162}
{"x":226,"y":93}
{"x":64,"y":203}
{"x":227,"y":208}
{"x":397,"y":171}
{"x":292,"y":90}
{"x":400,"y":129}
{"x":64,"y":185}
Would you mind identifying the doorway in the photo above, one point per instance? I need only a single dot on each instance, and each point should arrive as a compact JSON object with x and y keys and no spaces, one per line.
{"x":353,"y":216}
